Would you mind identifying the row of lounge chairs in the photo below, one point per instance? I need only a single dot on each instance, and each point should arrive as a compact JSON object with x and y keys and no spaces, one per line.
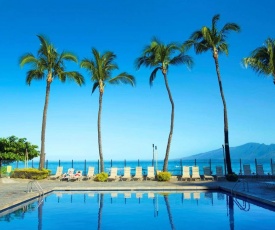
{"x":71,"y":176}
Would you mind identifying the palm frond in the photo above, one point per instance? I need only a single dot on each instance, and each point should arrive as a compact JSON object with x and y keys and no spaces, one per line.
{"x":27,"y":59}
{"x":182,"y":59}
{"x":153,"y":75}
{"x":230,"y":27}
{"x":74,"y":76}
{"x":124,"y":78}
{"x":223,"y":48}
{"x":95,"y":85}
{"x":34,"y":74}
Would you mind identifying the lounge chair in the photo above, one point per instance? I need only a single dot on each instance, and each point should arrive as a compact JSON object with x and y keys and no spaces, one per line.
{"x":150,"y":173}
{"x":259,"y":170}
{"x":246,"y":170}
{"x":127,"y":195}
{"x":207,"y":173}
{"x":151,"y":195}
{"x":77,"y":176}
{"x":58,"y":173}
{"x":138,"y":175}
{"x":185,"y":173}
{"x":66,"y":176}
{"x":195,"y":173}
{"x":219,"y":172}
{"x":90,"y":174}
{"x":113,"y":175}
{"x":139,"y":195}
{"x":127,"y":174}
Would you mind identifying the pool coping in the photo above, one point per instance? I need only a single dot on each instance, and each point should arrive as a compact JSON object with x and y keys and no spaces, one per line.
{"x":32,"y":196}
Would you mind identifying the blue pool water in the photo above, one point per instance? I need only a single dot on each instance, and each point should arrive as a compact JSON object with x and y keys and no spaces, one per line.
{"x":140,"y":210}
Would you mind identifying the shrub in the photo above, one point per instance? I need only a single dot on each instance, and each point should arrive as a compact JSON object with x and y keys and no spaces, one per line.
{"x":164,"y":176}
{"x":232,"y":177}
{"x":31,"y":173}
{"x":101,"y":177}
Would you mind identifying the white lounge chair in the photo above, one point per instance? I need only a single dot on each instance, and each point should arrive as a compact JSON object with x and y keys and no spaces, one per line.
{"x":58,"y":174}
{"x":113,"y":175}
{"x":187,"y":195}
{"x":185,"y":173}
{"x":260,"y":170}
{"x":150,"y":173}
{"x":77,"y":176}
{"x":90,"y":174}
{"x":66,"y":176}
{"x":196,"y":195}
{"x":207,"y":173}
{"x":195,"y":173}
{"x":151,"y":195}
{"x":138,"y":175}
{"x":127,"y":174}
{"x":139,"y":195}
{"x":219,"y":172}
{"x":246,"y":170}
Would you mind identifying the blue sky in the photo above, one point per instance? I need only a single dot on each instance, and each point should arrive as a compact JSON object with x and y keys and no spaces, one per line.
{"x":135,"y":118}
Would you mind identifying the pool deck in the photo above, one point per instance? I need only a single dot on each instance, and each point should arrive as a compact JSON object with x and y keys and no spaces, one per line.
{"x":14,"y":191}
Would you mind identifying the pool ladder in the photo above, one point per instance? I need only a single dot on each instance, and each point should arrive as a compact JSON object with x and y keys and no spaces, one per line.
{"x":38,"y":188}
{"x":244,"y":184}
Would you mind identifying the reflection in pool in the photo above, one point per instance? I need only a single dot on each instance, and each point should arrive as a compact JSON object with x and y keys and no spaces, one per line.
{"x":140,"y":210}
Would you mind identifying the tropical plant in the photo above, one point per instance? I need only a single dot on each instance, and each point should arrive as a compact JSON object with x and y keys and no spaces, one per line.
{"x":48,"y":64}
{"x":160,"y":56}
{"x":262,"y":59}
{"x":214,"y":40}
{"x":164,"y":176}
{"x":15,"y":149}
{"x":102,"y":177}
{"x":100,"y":67}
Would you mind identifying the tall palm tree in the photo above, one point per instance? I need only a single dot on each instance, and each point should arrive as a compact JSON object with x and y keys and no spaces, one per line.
{"x":48,"y":64}
{"x":160,"y":56}
{"x":262,"y":59}
{"x":214,"y":40}
{"x":100,"y":68}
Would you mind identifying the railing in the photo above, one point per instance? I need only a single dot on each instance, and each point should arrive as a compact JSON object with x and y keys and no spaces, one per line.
{"x":174,"y":166}
{"x":39,"y":189}
{"x":236,"y":185}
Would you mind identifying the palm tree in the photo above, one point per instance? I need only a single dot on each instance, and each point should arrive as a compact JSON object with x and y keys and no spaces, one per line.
{"x":262,"y":59}
{"x":50,"y":65}
{"x":160,"y":57}
{"x":215,"y":40}
{"x":100,"y":68}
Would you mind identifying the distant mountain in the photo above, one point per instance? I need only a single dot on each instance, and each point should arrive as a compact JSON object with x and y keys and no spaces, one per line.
{"x":246,"y":151}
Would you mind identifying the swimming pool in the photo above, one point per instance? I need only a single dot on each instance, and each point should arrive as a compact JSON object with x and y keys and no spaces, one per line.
{"x":140,"y":210}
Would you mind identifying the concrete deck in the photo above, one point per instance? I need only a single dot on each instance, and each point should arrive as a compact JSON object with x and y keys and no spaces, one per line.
{"x":14,"y":191}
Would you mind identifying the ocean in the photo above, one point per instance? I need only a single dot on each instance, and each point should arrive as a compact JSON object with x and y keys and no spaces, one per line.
{"x":174,"y":166}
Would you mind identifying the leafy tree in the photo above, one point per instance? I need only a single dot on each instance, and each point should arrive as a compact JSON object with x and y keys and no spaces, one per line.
{"x":160,"y":56}
{"x":14,"y":149}
{"x":262,"y":59}
{"x":100,"y":67}
{"x":48,"y":64}
{"x":214,"y":40}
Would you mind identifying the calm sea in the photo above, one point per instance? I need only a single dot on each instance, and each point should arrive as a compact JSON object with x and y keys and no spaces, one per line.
{"x":174,"y":166}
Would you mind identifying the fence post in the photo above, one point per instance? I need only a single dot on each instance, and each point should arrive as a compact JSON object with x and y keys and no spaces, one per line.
{"x":72,"y":163}
{"x":85,"y":168}
{"x":46,"y":164}
{"x":271,"y":166}
{"x":256,"y":166}
{"x":195,"y":162}
{"x":241,"y":172}
{"x":59,"y":163}
{"x":124,"y":162}
{"x":32,"y":163}
{"x":111,"y":163}
{"x":210,"y":166}
{"x":181,"y":167}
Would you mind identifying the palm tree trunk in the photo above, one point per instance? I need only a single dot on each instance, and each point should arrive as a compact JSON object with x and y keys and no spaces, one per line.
{"x":226,"y":139}
{"x":99,"y":132}
{"x":165,"y":165}
{"x":43,"y":131}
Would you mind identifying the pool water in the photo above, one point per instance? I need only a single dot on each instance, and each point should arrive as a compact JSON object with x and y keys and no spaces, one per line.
{"x":140,"y":210}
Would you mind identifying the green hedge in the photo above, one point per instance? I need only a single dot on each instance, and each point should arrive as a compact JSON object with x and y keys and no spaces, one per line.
{"x":164,"y":176}
{"x":31,"y":173}
{"x":102,"y":177}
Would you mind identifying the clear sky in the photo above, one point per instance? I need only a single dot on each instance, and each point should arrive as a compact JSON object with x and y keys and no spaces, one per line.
{"x":135,"y":118}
